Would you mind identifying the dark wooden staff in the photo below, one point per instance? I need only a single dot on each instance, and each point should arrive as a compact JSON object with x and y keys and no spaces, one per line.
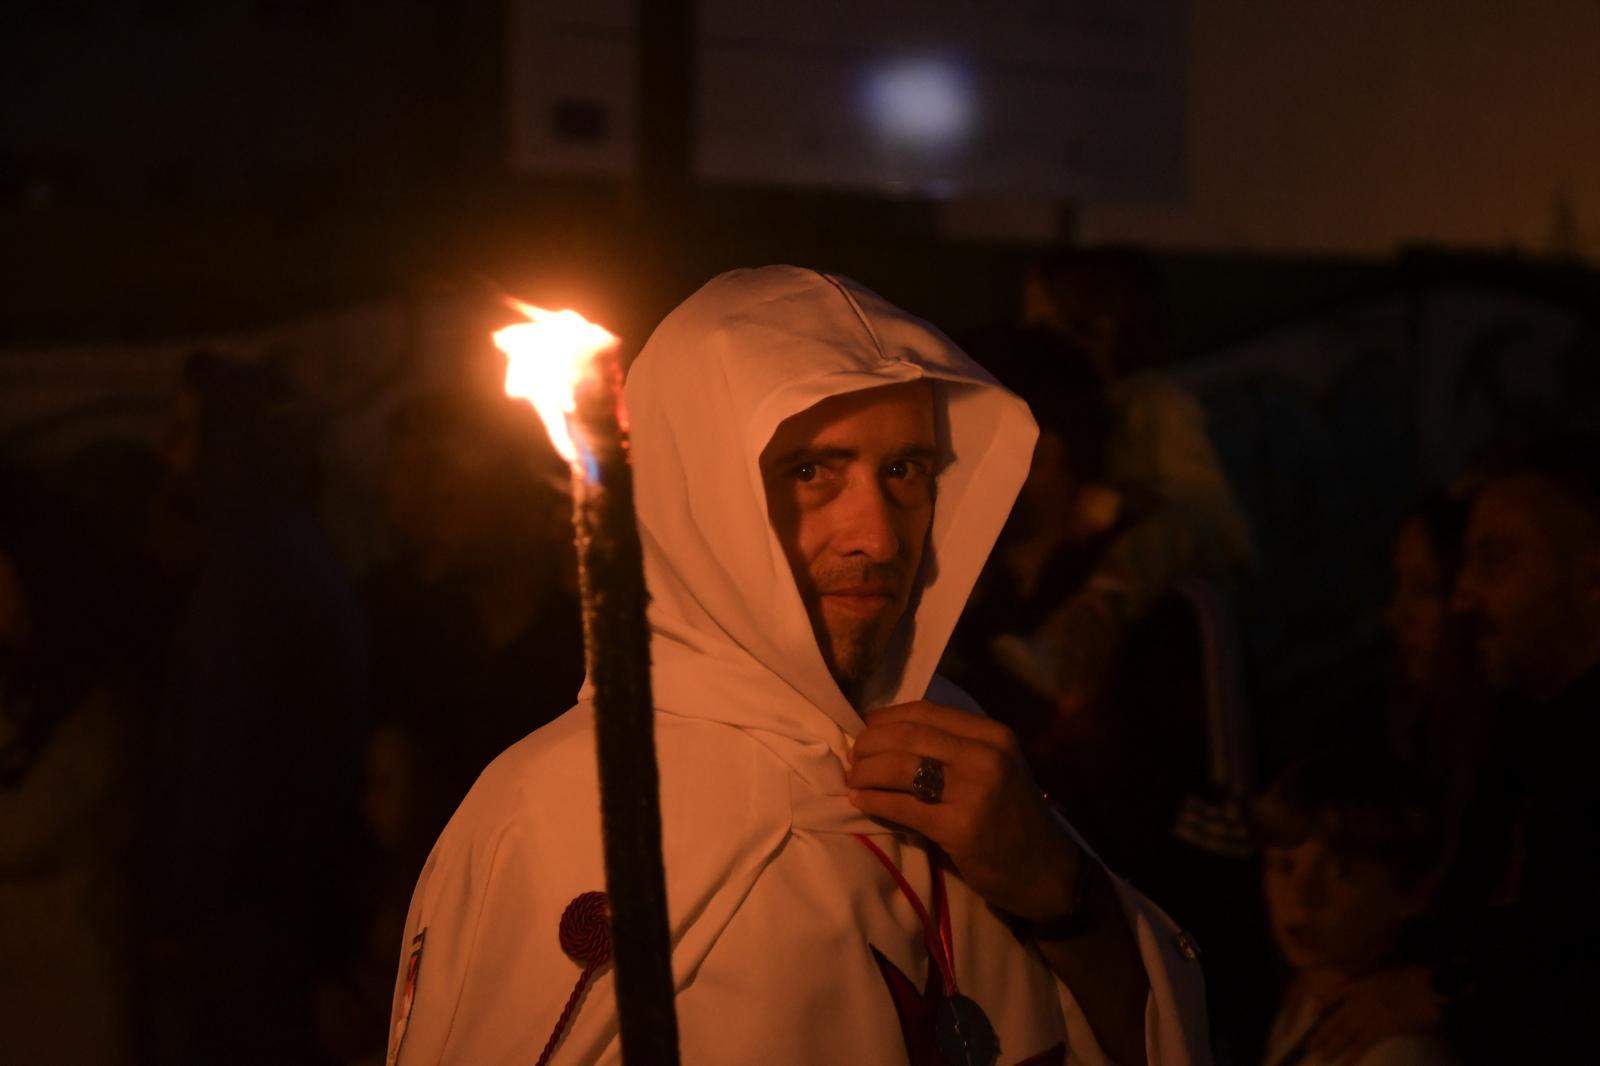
{"x":570,"y":370}
{"x":616,"y":637}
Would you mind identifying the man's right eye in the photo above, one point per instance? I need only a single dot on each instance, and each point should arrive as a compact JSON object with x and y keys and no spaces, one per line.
{"x":804,"y":472}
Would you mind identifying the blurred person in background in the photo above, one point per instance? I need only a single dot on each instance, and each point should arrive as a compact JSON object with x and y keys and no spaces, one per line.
{"x":1530,"y":593}
{"x":477,"y":635}
{"x":1131,"y":754}
{"x":1038,"y":615}
{"x":1348,"y":858}
{"x":1438,"y":717}
{"x":1065,"y":517}
{"x":68,"y":721}
{"x":1110,"y":302}
{"x":253,"y":832}
{"x":1515,"y":984}
{"x":1425,"y":560}
{"x":477,"y":641}
{"x":1441,"y":721}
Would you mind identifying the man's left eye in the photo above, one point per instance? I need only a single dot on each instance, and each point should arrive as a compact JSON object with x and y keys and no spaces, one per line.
{"x":905,"y":469}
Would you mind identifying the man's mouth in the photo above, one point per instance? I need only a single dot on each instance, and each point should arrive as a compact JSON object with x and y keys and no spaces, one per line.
{"x":1300,"y":935}
{"x":1479,"y":630}
{"x":1485,"y":637}
{"x":864,"y":600}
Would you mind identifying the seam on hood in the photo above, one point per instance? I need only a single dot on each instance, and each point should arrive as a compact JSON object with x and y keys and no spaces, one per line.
{"x":861,"y":315}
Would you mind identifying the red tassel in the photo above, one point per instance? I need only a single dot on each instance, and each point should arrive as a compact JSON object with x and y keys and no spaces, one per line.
{"x":586,"y":938}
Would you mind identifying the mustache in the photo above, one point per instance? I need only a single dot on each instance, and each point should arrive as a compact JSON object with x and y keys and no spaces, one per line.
{"x":882,"y":579}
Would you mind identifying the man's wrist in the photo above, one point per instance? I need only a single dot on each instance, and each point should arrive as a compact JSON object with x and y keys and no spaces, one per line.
{"x":1081,"y":915}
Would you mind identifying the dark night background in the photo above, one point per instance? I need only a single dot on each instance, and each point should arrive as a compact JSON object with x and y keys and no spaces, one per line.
{"x":1376,"y":226}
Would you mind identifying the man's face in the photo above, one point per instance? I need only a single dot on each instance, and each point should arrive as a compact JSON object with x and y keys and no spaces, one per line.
{"x":1417,"y":603}
{"x":850,"y":487}
{"x":1525,"y":586}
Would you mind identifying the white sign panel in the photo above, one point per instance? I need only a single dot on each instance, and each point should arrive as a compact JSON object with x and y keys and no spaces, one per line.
{"x":941,"y":97}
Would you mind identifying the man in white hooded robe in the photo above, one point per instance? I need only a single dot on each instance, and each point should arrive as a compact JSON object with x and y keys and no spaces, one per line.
{"x":819,"y":479}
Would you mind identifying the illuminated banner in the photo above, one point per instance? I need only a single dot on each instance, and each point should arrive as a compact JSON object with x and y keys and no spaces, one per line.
{"x":939,"y":97}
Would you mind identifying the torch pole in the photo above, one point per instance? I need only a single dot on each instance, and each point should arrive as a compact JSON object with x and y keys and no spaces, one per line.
{"x":617,"y":642}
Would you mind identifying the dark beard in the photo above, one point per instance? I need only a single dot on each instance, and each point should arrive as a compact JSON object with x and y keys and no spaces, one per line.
{"x":860,"y":661}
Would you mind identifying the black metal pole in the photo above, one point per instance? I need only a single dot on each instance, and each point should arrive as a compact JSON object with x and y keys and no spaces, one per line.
{"x":664,"y":138}
{"x":617,"y":641}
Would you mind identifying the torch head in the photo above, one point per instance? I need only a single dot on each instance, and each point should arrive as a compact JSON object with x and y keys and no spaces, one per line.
{"x":549,"y":358}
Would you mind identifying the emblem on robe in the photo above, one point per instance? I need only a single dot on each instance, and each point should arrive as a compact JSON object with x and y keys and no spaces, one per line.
{"x":941,"y":1030}
{"x":408,"y":996}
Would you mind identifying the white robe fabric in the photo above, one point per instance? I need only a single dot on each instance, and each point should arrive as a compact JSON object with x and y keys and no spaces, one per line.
{"x":1286,"y":1042}
{"x":774,"y":906}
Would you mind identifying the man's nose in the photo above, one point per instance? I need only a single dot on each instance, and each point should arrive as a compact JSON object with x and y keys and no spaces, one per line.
{"x":1396,"y":613}
{"x":866,"y":521}
{"x":1309,"y":887}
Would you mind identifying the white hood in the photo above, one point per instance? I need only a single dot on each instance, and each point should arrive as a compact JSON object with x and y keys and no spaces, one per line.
{"x":731,"y":638}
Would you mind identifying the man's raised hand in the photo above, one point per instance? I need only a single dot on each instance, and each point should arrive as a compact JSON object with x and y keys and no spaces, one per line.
{"x":990,"y":818}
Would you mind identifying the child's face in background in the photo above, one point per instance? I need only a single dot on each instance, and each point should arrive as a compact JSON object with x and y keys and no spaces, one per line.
{"x":1332,"y":911}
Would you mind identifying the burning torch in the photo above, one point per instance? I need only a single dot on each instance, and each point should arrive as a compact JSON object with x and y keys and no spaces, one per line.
{"x":569,"y":369}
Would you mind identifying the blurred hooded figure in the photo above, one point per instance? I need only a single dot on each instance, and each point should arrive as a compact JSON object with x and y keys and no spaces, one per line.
{"x":790,"y":432}
{"x":475,"y":634}
{"x":68,"y":721}
{"x":256,"y":754}
{"x":1110,"y":302}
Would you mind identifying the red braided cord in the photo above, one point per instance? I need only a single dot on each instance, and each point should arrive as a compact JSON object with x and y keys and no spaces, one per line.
{"x":941,"y":949}
{"x":566,"y":1016}
{"x":585,"y":936}
{"x":586,"y":930}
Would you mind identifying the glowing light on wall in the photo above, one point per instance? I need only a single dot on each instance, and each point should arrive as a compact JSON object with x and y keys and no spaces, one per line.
{"x":925,"y":103}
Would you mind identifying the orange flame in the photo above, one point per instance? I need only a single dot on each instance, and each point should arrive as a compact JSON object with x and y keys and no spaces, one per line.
{"x":546,"y":359}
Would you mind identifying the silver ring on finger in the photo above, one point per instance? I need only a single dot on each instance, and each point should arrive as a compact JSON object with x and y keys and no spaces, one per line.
{"x":927,"y":784}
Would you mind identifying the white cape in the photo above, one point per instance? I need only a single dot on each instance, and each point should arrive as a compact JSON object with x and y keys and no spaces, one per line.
{"x":774,"y":906}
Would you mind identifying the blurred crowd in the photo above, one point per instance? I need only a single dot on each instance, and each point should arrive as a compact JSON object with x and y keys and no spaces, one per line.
{"x":225,"y":751}
{"x":224,"y":754}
